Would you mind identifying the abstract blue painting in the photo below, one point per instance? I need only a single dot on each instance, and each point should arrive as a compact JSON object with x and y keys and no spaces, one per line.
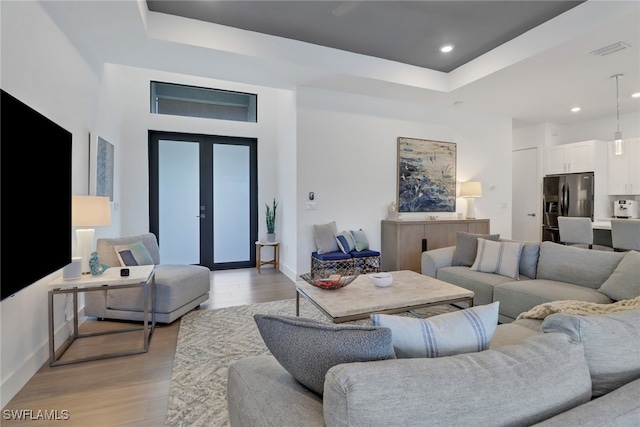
{"x":426,"y":175}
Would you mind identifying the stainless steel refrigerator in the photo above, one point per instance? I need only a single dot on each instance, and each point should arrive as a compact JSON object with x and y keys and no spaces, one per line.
{"x":565,"y":195}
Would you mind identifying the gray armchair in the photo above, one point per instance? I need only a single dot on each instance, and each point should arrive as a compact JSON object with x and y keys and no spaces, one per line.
{"x":179,"y":287}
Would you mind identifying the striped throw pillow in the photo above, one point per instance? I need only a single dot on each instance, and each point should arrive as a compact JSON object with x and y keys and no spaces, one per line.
{"x":464,"y":331}
{"x":502,"y":258}
{"x":346,"y":242}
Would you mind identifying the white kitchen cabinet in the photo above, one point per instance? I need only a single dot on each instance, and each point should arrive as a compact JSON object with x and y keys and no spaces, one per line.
{"x":624,"y":169}
{"x":571,"y":158}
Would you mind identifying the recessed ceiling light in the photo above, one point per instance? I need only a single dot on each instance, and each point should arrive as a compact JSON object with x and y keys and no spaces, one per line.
{"x":575,"y":109}
{"x":446,"y":48}
{"x":636,"y":95}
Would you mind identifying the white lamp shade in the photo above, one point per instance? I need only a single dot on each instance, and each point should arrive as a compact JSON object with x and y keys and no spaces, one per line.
{"x":90,"y":211}
{"x":471,"y":189}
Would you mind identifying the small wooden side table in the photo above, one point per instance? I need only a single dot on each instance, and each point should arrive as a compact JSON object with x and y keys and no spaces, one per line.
{"x":276,"y":255}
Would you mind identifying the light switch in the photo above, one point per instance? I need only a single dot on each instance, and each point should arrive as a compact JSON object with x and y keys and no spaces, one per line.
{"x":311,"y":206}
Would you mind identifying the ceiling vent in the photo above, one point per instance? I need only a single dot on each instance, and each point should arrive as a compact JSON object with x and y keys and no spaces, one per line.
{"x":607,"y":50}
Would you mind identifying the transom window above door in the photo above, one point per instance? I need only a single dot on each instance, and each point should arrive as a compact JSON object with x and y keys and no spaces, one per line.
{"x":193,"y":101}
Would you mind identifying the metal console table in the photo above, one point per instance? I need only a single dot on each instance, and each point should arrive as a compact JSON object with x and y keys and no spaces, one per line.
{"x":139,"y":277}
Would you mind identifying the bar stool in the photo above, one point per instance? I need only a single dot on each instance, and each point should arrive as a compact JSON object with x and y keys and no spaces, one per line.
{"x":575,"y":231}
{"x":625,"y":234}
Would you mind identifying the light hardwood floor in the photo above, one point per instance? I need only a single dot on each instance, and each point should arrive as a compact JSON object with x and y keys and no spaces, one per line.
{"x":130,"y":390}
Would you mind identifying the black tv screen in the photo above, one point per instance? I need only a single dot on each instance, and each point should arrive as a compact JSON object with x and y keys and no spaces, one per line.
{"x":35,"y":196}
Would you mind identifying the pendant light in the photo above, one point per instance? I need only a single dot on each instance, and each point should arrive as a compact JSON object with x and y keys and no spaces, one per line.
{"x":617,"y":136}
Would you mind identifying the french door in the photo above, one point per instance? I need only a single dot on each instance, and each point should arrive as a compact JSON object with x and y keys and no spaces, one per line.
{"x":203,"y":203}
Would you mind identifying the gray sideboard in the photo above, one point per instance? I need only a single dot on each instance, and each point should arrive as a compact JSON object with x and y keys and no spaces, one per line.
{"x":403,"y":241}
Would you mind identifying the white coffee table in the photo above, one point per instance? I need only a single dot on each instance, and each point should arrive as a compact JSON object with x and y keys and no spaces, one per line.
{"x":140,"y":276}
{"x":361,"y":298}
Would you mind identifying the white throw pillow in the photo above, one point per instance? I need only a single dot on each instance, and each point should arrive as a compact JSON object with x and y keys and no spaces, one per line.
{"x":502,"y":258}
{"x":464,"y":331}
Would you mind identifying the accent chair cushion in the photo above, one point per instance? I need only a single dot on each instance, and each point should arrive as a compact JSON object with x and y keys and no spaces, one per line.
{"x":365,"y":253}
{"x":624,"y":282}
{"x":361,"y":240}
{"x":133,"y":254}
{"x":307,"y":348}
{"x":467,"y":247}
{"x":465,"y":331}
{"x":325,"y":237}
{"x":346,"y":242}
{"x":502,"y":258}
{"x":610,"y":345}
{"x":176,"y":285}
{"x":331,"y":256}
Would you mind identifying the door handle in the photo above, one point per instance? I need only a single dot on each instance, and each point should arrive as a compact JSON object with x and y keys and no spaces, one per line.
{"x":531,"y":214}
{"x":200,"y":216}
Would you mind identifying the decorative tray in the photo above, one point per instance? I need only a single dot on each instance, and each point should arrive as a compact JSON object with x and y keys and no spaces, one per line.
{"x":335,"y":281}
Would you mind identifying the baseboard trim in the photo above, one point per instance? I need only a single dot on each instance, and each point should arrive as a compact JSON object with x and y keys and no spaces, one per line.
{"x":16,"y":380}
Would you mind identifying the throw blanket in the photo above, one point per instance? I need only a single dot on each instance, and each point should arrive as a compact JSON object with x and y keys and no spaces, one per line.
{"x":582,"y":308}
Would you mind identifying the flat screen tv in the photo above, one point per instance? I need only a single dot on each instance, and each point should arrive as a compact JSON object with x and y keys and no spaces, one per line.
{"x":35,"y":196}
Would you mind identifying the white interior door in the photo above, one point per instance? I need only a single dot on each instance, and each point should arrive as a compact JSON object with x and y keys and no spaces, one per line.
{"x":526,"y":196}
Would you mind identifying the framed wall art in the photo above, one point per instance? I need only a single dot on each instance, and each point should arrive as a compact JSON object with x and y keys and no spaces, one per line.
{"x":101,"y":166}
{"x":426,"y":175}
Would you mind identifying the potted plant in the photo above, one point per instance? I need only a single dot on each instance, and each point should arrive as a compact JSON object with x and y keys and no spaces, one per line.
{"x":271,"y":221}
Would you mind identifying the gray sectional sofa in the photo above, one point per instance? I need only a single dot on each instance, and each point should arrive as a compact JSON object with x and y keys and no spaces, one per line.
{"x":562,"y":371}
{"x":548,"y":272}
{"x":575,"y":370}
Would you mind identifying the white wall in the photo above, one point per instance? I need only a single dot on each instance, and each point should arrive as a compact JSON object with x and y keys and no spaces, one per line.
{"x":602,"y":129}
{"x":129,"y":88}
{"x":551,"y":134}
{"x":41,"y":68}
{"x":347,"y":155}
{"x":286,"y":219}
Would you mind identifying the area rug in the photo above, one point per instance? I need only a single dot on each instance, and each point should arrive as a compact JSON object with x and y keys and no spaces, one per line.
{"x":209,"y":340}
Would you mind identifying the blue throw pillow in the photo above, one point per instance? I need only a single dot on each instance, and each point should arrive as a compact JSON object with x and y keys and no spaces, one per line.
{"x":361,"y":240}
{"x":346,"y":242}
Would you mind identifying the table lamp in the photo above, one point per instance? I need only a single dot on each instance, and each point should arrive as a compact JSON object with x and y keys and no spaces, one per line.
{"x":88,"y":211}
{"x":470,"y":190}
